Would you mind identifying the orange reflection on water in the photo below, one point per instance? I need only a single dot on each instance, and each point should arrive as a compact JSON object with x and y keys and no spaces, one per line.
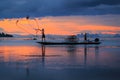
{"x":66,"y":56}
{"x":16,"y":53}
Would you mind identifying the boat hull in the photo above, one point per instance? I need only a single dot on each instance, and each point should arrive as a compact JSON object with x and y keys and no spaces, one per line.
{"x":67,"y":43}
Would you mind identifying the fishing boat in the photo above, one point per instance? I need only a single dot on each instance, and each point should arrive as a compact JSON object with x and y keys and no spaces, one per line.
{"x":68,"y":43}
{"x":72,"y":40}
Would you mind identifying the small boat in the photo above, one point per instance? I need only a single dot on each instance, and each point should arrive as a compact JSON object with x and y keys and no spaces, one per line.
{"x":72,"y":40}
{"x":67,"y":43}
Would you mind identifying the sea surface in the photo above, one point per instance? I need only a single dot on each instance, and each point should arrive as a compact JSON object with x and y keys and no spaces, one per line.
{"x":24,"y":59}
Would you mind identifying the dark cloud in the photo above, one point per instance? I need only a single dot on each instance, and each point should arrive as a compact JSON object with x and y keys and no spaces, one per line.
{"x":90,"y":3}
{"x":38,"y":8}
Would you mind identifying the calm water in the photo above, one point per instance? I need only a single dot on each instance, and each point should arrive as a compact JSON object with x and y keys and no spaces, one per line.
{"x":28,"y":60}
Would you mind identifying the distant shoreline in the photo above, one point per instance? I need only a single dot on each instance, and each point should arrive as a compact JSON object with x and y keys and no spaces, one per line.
{"x":5,"y":35}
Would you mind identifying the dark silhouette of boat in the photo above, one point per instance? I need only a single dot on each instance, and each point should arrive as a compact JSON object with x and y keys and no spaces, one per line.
{"x":72,"y":40}
{"x":67,"y":43}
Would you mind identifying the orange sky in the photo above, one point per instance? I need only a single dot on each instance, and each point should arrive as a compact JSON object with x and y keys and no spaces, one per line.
{"x":56,"y":25}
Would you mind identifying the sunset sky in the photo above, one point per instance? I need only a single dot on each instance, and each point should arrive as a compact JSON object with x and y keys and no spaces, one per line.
{"x":60,"y":16}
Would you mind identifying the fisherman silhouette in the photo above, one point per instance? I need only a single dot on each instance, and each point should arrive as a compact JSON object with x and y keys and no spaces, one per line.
{"x":43,"y":35}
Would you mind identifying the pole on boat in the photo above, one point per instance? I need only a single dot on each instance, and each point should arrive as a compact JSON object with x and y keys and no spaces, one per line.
{"x":85,"y":36}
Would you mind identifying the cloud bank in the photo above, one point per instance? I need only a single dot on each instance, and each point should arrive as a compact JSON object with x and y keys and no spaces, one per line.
{"x":40,"y":8}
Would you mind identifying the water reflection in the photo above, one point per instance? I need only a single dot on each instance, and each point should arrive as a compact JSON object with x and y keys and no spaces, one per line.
{"x":43,"y":50}
{"x":96,"y":55}
{"x":66,"y":55}
{"x":71,"y":49}
{"x":32,"y":62}
{"x":83,"y":51}
{"x":43,"y":55}
{"x":85,"y":55}
{"x":27,"y":71}
{"x":72,"y":53}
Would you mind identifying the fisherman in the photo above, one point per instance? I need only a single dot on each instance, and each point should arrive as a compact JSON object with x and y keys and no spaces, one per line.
{"x":85,"y":37}
{"x":43,"y":35}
